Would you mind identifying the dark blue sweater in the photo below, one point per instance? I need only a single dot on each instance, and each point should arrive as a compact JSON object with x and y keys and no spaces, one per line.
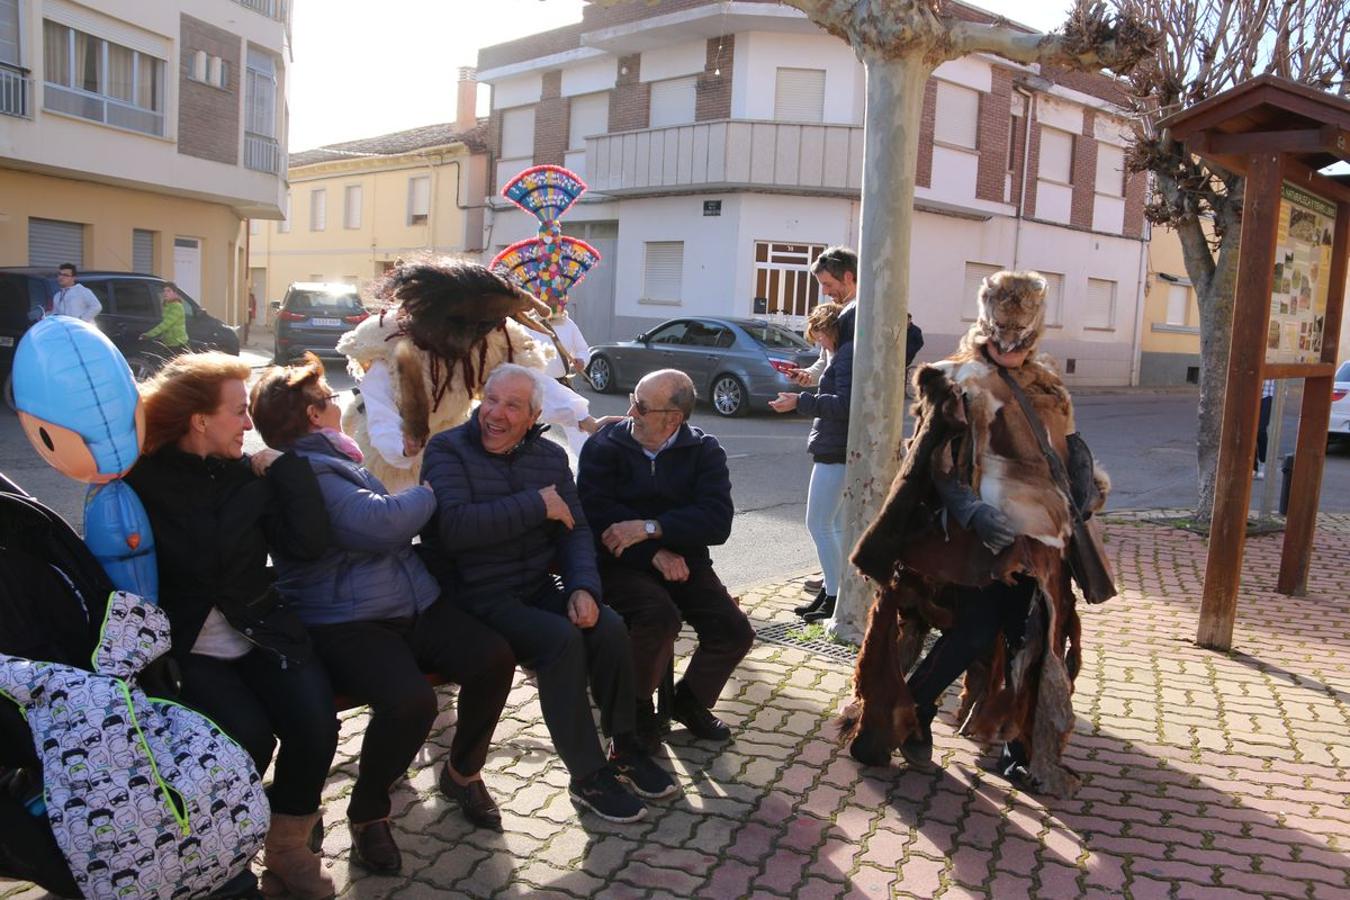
{"x":490,"y":536}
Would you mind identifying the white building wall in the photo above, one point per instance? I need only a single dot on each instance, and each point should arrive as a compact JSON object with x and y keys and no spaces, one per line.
{"x":674,"y":61}
{"x":758,"y":56}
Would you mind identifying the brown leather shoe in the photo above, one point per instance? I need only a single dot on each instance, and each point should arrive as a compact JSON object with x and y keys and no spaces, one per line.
{"x":473,"y":799}
{"x":373,"y":847}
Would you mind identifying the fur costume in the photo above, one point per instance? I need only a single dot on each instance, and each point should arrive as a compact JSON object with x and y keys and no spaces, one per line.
{"x":969,"y":427}
{"x":432,"y":393}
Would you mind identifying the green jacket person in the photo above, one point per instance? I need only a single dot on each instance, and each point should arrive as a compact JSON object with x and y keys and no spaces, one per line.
{"x":172,"y":328}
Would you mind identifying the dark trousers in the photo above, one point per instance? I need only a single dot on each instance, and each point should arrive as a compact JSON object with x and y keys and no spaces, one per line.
{"x":1262,"y":425}
{"x":653,"y":609}
{"x":982,"y":614}
{"x":564,"y":658}
{"x":28,"y":849}
{"x":382,"y":664}
{"x":252,"y":699}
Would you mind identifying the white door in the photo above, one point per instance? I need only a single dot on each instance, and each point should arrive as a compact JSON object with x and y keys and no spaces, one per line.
{"x":187,"y":267}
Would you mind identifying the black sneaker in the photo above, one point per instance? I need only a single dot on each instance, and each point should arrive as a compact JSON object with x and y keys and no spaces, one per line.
{"x":641,"y":773}
{"x":698,"y":718}
{"x":602,"y":794}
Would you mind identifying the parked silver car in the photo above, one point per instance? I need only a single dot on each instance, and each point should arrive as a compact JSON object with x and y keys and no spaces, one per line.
{"x":1339,"y":426}
{"x":736,"y":364}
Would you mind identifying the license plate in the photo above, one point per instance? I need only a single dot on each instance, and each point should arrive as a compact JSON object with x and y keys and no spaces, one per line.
{"x":325,"y":322}
{"x":6,"y":341}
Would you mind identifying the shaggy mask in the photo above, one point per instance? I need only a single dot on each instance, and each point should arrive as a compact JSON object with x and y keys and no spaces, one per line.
{"x":1012,"y":311}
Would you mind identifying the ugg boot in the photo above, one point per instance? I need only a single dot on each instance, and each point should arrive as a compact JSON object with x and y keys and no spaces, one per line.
{"x":289,"y":866}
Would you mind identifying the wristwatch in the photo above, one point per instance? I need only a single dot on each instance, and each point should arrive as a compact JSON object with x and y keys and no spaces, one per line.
{"x":649,"y":527}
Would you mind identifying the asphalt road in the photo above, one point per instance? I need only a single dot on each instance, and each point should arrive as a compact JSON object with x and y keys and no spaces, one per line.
{"x":1144,"y":439}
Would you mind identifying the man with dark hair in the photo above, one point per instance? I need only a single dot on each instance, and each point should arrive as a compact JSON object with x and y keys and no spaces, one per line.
{"x":507,"y":511}
{"x":73,"y":298}
{"x":657,"y":494}
{"x":836,"y":271}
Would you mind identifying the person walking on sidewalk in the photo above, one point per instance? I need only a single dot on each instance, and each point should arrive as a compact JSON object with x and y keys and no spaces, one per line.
{"x":507,"y":512}
{"x":973,"y":539}
{"x":1262,"y":428}
{"x":827,"y":444}
{"x":657,"y":493}
{"x":379,"y":621}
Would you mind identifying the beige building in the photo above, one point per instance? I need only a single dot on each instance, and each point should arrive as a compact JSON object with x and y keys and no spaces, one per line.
{"x":1169,"y":349}
{"x":354,"y":208}
{"x":140,"y":136}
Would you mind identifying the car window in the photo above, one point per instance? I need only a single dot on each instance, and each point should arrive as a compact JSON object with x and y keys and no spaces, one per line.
{"x":669,"y":334}
{"x":133,"y":298}
{"x":774,"y":337}
{"x":190,"y":307}
{"x":704,"y":334}
{"x":22,"y":301}
{"x":1343,"y":373}
{"x":100,"y":291}
{"x":323,"y":303}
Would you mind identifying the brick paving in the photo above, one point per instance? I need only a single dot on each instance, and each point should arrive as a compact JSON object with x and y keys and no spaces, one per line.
{"x":1204,"y":774}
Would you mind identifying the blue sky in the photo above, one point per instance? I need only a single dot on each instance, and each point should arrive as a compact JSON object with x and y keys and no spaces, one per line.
{"x":355,"y":74}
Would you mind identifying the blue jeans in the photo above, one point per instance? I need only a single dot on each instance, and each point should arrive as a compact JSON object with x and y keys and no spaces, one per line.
{"x":825,"y":520}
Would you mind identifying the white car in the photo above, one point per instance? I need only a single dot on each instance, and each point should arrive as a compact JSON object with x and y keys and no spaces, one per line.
{"x":1339,"y":427}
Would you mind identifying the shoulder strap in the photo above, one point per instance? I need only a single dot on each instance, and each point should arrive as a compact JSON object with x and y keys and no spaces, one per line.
{"x":1057,"y":470}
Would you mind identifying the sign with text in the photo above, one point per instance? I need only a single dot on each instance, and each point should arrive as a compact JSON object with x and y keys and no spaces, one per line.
{"x":1298,"y":298}
{"x":712,"y":207}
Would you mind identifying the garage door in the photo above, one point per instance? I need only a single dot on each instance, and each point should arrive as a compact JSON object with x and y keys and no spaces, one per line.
{"x":51,"y":243}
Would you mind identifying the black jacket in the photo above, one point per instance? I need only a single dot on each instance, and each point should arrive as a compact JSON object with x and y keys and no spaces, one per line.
{"x":828,"y":442}
{"x":687,"y":488}
{"x":215,"y":523}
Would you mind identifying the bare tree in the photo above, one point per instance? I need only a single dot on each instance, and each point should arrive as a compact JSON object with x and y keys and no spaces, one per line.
{"x":1206,"y":47}
{"x":900,"y":43}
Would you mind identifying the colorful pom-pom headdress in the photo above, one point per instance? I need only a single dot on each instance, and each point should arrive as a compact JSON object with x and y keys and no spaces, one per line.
{"x":551,"y":263}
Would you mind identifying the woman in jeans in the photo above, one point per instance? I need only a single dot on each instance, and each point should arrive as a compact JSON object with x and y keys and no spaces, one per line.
{"x":246,"y":660}
{"x":832,"y":329}
{"x":377,"y":618}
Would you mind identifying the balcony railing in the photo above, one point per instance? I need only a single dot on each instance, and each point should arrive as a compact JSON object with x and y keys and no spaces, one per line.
{"x":98,"y":108}
{"x":261,"y":153}
{"x":728,"y":152}
{"x":14,"y":87}
{"x":266,"y":7}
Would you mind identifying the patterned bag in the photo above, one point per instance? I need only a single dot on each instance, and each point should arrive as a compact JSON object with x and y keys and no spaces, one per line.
{"x":145,"y":797}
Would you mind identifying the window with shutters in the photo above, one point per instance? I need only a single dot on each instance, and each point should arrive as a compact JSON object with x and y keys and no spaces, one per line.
{"x":799,"y":95}
{"x":9,"y":32}
{"x":958,"y":116}
{"x":785,"y":289}
{"x":518,"y":133}
{"x":976,"y":273}
{"x":96,"y":79}
{"x":1054,"y":299}
{"x":351,"y":206}
{"x":1056,"y":162}
{"x":260,"y":94}
{"x":1110,"y":170}
{"x":52,"y":242}
{"x":1099,"y":306}
{"x":284,"y":226}
{"x":589,"y":115}
{"x":672,"y":102}
{"x":663,"y":272}
{"x":318,"y":209}
{"x":1178,"y":303}
{"x":143,"y":251}
{"x":419,"y":200}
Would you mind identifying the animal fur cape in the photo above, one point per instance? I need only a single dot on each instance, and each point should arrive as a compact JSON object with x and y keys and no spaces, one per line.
{"x":430,"y":393}
{"x":969,"y":426}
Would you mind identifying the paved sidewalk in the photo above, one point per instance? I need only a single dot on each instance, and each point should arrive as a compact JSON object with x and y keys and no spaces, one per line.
{"x":1205,"y":774}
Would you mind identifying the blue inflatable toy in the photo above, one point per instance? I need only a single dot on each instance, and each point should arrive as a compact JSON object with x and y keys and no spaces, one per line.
{"x":79,"y":406}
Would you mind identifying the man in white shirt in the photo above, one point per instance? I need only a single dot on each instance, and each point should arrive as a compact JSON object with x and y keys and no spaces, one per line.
{"x":836,"y":270}
{"x":72,"y":299}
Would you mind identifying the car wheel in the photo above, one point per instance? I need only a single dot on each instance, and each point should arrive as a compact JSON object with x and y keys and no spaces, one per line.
{"x":601,"y":374}
{"x":9,"y":393}
{"x":729,"y":397}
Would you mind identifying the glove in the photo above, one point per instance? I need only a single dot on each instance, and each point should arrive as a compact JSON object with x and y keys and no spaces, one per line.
{"x":995,"y":530}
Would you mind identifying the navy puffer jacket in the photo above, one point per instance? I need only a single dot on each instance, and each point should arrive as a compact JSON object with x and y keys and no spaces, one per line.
{"x":828,"y":442}
{"x":370,"y":571}
{"x":491,"y":536}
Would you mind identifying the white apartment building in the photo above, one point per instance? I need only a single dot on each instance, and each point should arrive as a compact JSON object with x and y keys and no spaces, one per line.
{"x":723,"y":144}
{"x":140,"y":136}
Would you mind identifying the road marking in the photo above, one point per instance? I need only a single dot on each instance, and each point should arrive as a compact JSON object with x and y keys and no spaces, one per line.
{"x":737,"y":455}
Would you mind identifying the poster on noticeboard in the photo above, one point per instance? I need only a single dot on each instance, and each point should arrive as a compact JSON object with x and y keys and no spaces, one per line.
{"x":1298,"y":296}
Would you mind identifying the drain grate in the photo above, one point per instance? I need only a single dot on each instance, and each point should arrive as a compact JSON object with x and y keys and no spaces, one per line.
{"x":790,"y":634}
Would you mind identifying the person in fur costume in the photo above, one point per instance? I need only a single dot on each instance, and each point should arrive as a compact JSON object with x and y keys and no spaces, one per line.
{"x":424,"y":359}
{"x":971,"y":540}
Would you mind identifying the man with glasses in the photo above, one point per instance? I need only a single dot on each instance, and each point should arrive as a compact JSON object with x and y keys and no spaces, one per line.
{"x":657,"y":494}
{"x":73,"y":299}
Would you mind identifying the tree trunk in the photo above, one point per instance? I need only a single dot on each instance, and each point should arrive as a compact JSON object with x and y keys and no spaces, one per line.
{"x":895,"y":90}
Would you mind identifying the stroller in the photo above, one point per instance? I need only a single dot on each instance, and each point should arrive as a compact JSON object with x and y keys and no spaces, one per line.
{"x":53,"y":601}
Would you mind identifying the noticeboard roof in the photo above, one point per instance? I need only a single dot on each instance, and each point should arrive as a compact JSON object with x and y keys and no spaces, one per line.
{"x":1267,"y":114}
